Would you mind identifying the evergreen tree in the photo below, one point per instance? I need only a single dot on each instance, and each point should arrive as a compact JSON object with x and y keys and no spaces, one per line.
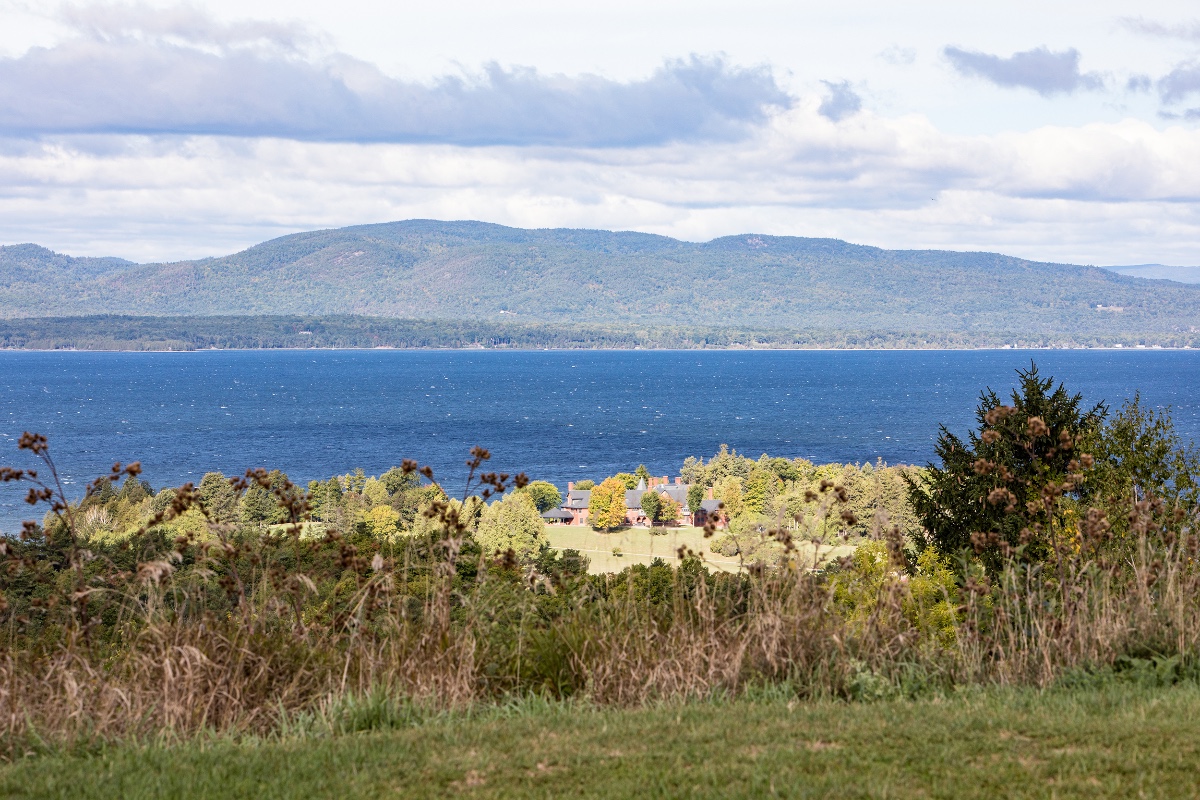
{"x":999,"y":489}
{"x":218,"y":497}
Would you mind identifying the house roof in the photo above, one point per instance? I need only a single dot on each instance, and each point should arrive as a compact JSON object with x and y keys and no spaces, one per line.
{"x":578,"y":498}
{"x":558,"y":513}
{"x":710,"y":506}
{"x":676,"y":491}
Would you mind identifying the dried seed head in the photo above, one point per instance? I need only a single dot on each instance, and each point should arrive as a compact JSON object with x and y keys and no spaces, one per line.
{"x":1001,"y":496}
{"x":33,"y":442}
{"x":998,"y":414}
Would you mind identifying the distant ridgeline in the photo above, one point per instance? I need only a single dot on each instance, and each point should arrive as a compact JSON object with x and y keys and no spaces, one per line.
{"x":423,"y":283}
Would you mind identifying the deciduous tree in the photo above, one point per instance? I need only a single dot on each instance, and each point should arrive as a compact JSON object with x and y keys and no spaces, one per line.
{"x":606,"y":508}
{"x":512,"y":523}
{"x":669,"y":511}
{"x":545,"y":495}
{"x":652,"y":505}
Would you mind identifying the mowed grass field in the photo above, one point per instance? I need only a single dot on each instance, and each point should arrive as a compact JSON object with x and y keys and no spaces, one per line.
{"x":1115,"y":742}
{"x":638,"y":546}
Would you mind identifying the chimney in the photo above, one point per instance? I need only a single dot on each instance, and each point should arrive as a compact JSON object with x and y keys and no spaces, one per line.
{"x":678,"y":480}
{"x":570,"y":485}
{"x":664,"y":480}
{"x":710,"y":493}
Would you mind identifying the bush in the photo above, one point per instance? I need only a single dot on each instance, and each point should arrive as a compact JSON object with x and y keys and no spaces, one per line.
{"x":926,"y":595}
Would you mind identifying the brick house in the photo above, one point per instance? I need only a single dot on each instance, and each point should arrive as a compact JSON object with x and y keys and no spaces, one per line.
{"x":575,"y":507}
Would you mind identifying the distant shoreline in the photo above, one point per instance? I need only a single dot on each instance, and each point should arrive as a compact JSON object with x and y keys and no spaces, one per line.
{"x":114,"y":333}
{"x":1155,"y":349}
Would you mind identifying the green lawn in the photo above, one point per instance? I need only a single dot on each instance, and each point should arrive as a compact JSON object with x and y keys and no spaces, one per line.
{"x":1117,"y":741}
{"x":638,"y":546}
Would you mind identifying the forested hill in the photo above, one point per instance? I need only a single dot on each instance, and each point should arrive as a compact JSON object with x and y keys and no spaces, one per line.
{"x":421,"y":269}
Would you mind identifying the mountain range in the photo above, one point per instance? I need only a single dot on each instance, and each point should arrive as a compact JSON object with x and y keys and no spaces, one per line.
{"x":481,"y":272}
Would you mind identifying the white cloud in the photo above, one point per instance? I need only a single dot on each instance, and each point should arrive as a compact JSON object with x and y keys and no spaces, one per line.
{"x":1103,"y":193}
{"x":1041,"y":69}
{"x":840,"y":102}
{"x":163,"y":131}
{"x":137,"y":70}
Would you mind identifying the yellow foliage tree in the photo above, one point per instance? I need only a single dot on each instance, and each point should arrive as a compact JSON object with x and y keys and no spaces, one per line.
{"x":606,"y":508}
{"x":382,"y":520}
{"x":513,"y":523}
{"x":669,"y":511}
{"x":375,"y":492}
{"x":729,"y":491}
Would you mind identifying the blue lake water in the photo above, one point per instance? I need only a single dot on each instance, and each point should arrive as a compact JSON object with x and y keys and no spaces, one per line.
{"x":563,"y":415}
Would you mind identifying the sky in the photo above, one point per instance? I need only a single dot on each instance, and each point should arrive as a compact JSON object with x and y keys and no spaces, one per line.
{"x":1058,"y":131}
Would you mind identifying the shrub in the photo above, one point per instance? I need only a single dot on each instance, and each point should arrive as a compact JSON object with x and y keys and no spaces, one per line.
{"x":926,"y":596}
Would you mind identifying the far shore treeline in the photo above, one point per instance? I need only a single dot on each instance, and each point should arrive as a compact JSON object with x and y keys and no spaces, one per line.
{"x":144,"y":333}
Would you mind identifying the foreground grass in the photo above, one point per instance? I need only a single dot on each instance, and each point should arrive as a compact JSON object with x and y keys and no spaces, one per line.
{"x":1113,"y":741}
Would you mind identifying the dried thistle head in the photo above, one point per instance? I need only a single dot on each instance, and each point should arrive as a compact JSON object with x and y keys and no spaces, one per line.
{"x":33,"y":442}
{"x":998,"y":414}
